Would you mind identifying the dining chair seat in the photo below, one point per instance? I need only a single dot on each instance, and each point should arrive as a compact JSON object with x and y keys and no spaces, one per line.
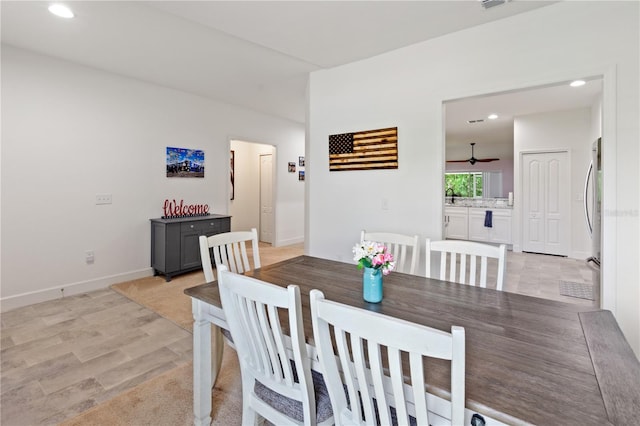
{"x":293,"y":408}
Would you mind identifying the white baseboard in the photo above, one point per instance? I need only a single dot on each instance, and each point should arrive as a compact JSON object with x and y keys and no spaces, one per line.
{"x":289,"y":241}
{"x":580,"y":255}
{"x":576,"y":254}
{"x":44,"y":295}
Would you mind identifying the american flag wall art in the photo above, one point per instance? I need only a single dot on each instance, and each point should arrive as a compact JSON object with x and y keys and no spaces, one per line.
{"x":371,"y":149}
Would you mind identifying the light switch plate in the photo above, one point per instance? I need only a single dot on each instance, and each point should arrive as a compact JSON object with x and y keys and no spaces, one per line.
{"x":103,"y":198}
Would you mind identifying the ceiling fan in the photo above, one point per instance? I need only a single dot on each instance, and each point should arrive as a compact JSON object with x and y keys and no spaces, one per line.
{"x":474,"y":160}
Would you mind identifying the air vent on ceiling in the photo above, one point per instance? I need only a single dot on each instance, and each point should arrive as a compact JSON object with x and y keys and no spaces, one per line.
{"x":480,"y":120}
{"x":490,"y":3}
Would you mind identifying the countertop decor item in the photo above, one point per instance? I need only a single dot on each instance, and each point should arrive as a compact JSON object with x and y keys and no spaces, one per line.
{"x":376,"y":261}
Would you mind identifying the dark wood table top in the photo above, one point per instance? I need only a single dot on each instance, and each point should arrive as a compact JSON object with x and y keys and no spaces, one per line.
{"x":527,"y":359}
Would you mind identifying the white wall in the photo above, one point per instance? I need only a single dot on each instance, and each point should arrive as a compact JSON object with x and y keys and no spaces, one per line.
{"x":70,"y":132}
{"x":407,"y":87}
{"x":568,"y":130}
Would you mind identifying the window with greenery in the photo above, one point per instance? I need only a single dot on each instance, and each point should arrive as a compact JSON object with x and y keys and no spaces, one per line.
{"x":463,"y":184}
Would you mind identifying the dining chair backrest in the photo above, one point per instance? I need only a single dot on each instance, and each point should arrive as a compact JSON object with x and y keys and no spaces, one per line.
{"x":459,"y":261}
{"x":229,"y":249}
{"x":364,"y":371}
{"x":397,"y":245}
{"x":277,"y":382}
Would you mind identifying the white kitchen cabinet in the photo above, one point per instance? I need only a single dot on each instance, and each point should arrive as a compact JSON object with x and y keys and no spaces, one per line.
{"x":456,"y":223}
{"x":499,"y":233}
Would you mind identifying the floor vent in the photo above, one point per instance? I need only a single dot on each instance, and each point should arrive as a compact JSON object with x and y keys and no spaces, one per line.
{"x":579,"y":290}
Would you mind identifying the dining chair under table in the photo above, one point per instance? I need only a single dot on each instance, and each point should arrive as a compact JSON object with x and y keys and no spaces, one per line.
{"x":466,"y":262}
{"x":364,"y":373}
{"x":277,"y":381}
{"x":404,"y":248}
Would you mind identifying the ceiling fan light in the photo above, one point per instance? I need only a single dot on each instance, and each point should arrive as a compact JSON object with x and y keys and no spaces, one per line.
{"x":577,"y":83}
{"x":492,"y":116}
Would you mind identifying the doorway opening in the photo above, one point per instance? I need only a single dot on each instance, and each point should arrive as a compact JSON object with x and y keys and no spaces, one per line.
{"x":503,"y":127}
{"x":253,"y":189}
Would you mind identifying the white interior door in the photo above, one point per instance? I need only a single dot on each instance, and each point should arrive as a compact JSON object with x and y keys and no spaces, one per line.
{"x":546,"y":205}
{"x":266,"y":198}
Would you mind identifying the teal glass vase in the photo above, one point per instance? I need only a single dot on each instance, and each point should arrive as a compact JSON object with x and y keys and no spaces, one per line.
{"x":372,"y":285}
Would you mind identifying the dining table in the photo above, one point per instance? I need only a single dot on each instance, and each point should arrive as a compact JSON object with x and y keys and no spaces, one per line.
{"x":529,"y":360}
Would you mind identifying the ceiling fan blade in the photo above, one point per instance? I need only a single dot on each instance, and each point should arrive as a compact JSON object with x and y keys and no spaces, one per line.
{"x":486,"y":160}
{"x":457,"y":161}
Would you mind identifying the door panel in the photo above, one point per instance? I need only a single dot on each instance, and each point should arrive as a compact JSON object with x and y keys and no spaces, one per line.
{"x":266,"y":198}
{"x":546,"y":206}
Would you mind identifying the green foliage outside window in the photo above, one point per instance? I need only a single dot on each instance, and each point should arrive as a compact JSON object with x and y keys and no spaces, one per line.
{"x":467,"y":184}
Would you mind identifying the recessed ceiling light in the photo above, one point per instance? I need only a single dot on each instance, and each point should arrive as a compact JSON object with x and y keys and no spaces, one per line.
{"x":61,"y":11}
{"x":577,"y":83}
{"x":492,"y":116}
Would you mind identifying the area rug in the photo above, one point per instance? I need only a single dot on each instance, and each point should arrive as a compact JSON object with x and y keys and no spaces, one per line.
{"x":579,"y":290}
{"x":168,"y":300}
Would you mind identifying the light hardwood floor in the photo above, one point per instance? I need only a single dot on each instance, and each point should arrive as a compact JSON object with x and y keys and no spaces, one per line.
{"x":62,"y":357}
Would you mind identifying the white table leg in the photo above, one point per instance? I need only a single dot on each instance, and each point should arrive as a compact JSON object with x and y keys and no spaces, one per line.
{"x":217,"y":352}
{"x":202,"y":378}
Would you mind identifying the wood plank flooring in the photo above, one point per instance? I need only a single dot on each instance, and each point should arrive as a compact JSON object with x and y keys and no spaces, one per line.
{"x":62,"y":357}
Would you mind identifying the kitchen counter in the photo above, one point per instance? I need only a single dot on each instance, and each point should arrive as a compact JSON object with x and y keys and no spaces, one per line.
{"x":484,"y":203}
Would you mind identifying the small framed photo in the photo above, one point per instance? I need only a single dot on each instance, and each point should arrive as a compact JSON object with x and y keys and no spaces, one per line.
{"x":301,"y":175}
{"x":292,"y":167}
{"x":301,"y":162}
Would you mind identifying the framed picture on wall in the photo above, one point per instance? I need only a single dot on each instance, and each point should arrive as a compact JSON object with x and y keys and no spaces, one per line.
{"x":185,"y":162}
{"x":292,"y":167}
{"x":231,"y":172}
{"x":301,"y":161}
{"x":301,"y":175}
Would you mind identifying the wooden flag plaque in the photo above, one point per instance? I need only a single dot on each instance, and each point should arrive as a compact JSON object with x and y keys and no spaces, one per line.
{"x":366,"y":150}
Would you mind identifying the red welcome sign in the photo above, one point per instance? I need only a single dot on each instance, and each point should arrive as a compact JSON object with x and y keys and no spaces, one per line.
{"x":173,"y":209}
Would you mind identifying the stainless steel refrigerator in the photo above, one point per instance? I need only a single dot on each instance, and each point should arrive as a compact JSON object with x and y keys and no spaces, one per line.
{"x":593,"y":211}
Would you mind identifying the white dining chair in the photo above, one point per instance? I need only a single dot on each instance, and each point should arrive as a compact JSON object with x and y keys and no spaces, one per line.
{"x":277,"y":381}
{"x":397,"y":245}
{"x":365,"y":374}
{"x":229,"y":249}
{"x":459,"y":261}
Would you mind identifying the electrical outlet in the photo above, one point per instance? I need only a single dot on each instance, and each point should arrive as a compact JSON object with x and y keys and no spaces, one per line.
{"x":89,"y":257}
{"x":103,"y":199}
{"x":385,"y":204}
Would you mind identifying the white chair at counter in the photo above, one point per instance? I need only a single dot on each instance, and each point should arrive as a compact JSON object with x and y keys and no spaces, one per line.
{"x":397,"y":245}
{"x":454,"y":255}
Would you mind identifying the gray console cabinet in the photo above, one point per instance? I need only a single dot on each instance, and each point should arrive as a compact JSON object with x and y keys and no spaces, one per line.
{"x":174,"y":242}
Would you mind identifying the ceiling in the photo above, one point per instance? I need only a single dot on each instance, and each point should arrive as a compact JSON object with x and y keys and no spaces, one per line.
{"x":258,"y":54}
{"x":494,"y":138}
